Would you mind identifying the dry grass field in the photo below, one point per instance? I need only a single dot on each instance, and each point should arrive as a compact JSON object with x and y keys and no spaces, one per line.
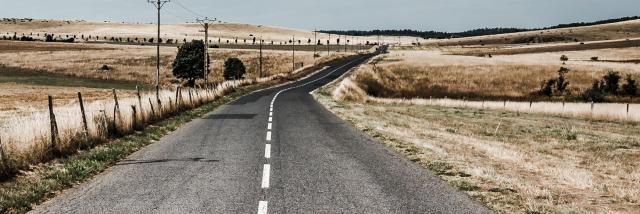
{"x":222,"y":31}
{"x":435,"y":73}
{"x":131,"y":63}
{"x":513,"y":162}
{"x":18,"y":100}
{"x":613,"y":31}
{"x":444,"y":108}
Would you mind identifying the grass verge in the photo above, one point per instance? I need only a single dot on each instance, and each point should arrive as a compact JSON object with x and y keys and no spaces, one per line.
{"x":513,"y":162}
{"x":46,"y":180}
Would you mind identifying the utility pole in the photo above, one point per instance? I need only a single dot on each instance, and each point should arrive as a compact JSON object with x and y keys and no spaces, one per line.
{"x":294,"y":54}
{"x":158,"y":4}
{"x":261,"y":57}
{"x":329,"y":46}
{"x":205,"y":23}
{"x":346,"y":41}
{"x":315,"y":46}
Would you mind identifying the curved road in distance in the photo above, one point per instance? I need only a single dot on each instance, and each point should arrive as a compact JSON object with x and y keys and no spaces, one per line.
{"x":272,"y":151}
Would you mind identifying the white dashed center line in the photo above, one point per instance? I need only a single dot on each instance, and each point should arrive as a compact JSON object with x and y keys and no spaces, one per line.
{"x":266,"y":172}
{"x":267,"y":151}
{"x":262,"y":207}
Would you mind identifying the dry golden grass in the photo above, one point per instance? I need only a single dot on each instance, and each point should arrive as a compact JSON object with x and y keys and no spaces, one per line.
{"x":135,"y":63}
{"x":23,"y":99}
{"x":222,"y":31}
{"x":433,"y":73}
{"x":613,"y":31}
{"x":513,"y":162}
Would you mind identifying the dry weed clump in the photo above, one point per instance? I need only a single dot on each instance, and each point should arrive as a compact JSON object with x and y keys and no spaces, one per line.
{"x":347,"y":90}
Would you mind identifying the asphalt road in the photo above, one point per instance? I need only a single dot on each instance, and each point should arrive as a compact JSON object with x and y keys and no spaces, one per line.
{"x":272,"y":151}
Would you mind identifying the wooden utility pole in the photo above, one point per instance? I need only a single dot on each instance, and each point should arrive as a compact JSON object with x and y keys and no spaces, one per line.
{"x":315,"y":46}
{"x":346,"y":41}
{"x":158,"y":4}
{"x":329,"y":46}
{"x":205,"y":23}
{"x":261,"y":73}
{"x":293,"y":47}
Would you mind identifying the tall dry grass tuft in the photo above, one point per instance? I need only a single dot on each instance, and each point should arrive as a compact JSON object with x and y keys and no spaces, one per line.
{"x":348,"y":90}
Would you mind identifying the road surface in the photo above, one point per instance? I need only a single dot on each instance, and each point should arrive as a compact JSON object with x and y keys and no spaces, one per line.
{"x":272,"y":151}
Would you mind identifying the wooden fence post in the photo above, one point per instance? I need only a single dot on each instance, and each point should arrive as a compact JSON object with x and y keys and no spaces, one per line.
{"x":171,"y":103}
{"x":85,"y":126}
{"x":628,"y":108}
{"x":140,"y":104}
{"x":2,"y":155}
{"x":177,"y":98}
{"x":116,"y":108}
{"x":190,"y":98}
{"x":134,"y":117}
{"x":54,"y":125}
{"x":530,"y":104}
{"x":153,"y":111}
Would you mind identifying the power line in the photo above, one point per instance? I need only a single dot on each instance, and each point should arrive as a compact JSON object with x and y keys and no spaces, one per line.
{"x":189,"y":10}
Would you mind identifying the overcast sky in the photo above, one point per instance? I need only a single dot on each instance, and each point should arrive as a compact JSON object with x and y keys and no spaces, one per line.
{"x":440,"y":15}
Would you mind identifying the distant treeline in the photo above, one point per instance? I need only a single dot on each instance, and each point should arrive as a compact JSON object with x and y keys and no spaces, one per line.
{"x":469,"y":33}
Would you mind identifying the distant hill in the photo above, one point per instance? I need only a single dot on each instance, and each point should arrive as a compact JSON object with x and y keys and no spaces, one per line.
{"x":470,"y":33}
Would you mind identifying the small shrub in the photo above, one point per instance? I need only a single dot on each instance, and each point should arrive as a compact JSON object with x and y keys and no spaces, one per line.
{"x":595,"y":93}
{"x":547,"y":88}
{"x":562,"y":83}
{"x":105,"y":68}
{"x":234,"y":69}
{"x":611,"y":82}
{"x":564,"y":59}
{"x":595,"y":58}
{"x":630,"y":88}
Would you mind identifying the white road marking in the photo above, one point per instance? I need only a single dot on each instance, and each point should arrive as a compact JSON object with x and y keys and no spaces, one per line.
{"x":266,"y":173}
{"x":262,"y":207}
{"x":265,"y":176}
{"x":267,"y":151}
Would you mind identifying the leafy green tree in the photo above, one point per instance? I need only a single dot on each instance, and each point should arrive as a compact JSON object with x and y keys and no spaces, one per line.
{"x":234,"y":69}
{"x":189,"y":62}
